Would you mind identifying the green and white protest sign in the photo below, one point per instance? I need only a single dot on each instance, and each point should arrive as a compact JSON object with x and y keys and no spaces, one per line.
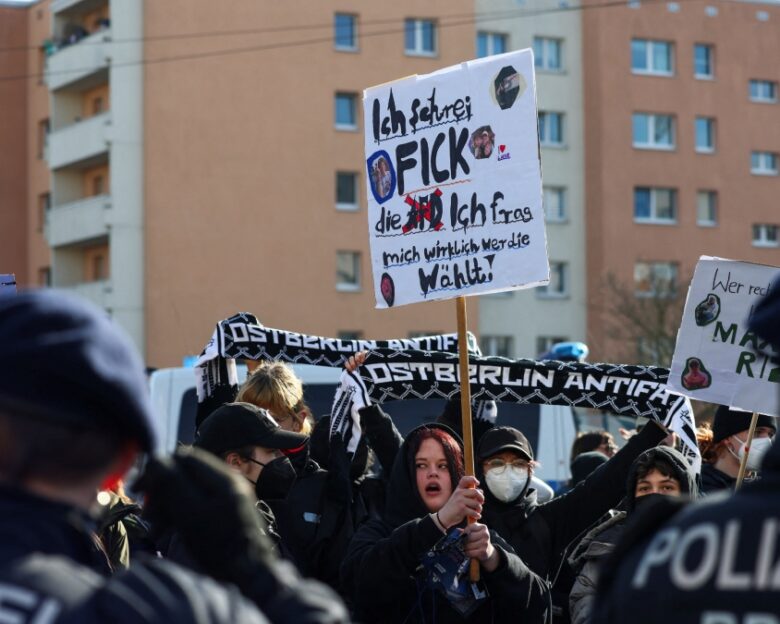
{"x":716,"y":358}
{"x":454,"y":182}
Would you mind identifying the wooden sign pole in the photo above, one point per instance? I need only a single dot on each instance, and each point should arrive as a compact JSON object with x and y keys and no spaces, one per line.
{"x":743,"y":463}
{"x":465,"y":407}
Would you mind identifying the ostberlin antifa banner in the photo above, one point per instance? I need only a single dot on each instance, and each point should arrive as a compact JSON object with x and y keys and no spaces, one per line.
{"x":243,"y":337}
{"x":622,"y":389}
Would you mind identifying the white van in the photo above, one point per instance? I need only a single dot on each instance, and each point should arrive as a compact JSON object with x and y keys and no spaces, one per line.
{"x":550,"y":429}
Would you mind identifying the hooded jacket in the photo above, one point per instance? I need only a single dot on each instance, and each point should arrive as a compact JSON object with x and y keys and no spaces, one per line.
{"x":600,"y":541}
{"x":383,"y":557}
{"x":50,"y":572}
{"x":714,"y":560}
{"x":540,"y":533}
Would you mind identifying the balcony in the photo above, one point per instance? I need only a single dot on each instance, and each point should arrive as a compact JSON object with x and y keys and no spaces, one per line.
{"x":79,"y":61}
{"x":79,"y":221}
{"x":79,"y":142}
{"x":98,"y":293}
{"x":58,"y":6}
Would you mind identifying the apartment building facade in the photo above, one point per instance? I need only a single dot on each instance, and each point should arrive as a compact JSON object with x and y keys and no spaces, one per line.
{"x":682,"y":136}
{"x":525,"y":323}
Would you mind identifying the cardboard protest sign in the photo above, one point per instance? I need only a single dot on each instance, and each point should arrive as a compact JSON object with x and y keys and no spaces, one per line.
{"x":7,"y":284}
{"x":716,"y":358}
{"x":454,"y":182}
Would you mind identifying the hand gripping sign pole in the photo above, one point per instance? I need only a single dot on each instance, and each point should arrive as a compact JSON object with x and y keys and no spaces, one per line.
{"x":743,"y":464}
{"x":465,"y":408}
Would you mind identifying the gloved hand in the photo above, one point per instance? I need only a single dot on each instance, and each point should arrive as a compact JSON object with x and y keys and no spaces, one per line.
{"x":212,"y":508}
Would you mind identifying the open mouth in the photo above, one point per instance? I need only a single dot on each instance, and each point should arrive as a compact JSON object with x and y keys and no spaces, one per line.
{"x":432,"y":488}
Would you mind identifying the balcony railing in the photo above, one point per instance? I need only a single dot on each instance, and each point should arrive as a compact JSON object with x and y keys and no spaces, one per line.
{"x":79,"y":141}
{"x":79,"y":60}
{"x":78,"y":221}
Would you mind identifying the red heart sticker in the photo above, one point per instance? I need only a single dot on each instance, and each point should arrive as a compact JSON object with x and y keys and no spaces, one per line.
{"x":501,"y":148}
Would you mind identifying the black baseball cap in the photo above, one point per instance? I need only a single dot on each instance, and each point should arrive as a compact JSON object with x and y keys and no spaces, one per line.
{"x":236,"y":425}
{"x":500,"y":439}
{"x":727,"y":422}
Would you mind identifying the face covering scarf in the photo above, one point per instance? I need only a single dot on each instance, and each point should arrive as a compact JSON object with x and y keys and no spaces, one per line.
{"x":622,"y":389}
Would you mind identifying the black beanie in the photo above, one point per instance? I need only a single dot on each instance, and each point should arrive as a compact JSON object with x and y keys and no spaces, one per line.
{"x":727,"y":422}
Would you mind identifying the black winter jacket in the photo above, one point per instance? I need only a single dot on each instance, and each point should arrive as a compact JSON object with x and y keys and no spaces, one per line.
{"x":383,"y":557}
{"x":51,"y":572}
{"x":714,"y":560}
{"x":540,"y":534}
{"x":713,"y":480}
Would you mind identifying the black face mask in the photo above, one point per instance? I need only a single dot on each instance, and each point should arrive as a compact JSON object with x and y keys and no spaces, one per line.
{"x":642,"y":502}
{"x":275,"y":480}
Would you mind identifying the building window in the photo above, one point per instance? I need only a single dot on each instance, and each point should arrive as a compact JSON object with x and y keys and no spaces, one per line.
{"x":489,"y":43}
{"x":707,"y":208}
{"x":651,"y":57}
{"x":97,"y":105}
{"x":705,"y":135}
{"x":653,"y":131}
{"x":551,"y":129}
{"x":559,"y":281}
{"x":763,"y":163}
{"x":99,"y":267}
{"x":655,"y":279}
{"x":43,"y":137}
{"x":98,"y":187}
{"x":500,"y":346}
{"x":545,"y":343}
{"x":703,"y":61}
{"x":547,"y":53}
{"x":555,"y":204}
{"x":346,"y":111}
{"x":345,"y":32}
{"x":765,"y":235}
{"x":420,"y":37}
{"x":346,"y":190}
{"x":655,"y":205}
{"x":44,"y":205}
{"x":348,"y":270}
{"x":44,"y":276}
{"x":763,"y":91}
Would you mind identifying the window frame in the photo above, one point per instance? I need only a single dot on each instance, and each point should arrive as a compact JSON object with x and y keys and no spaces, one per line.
{"x":353,"y":47}
{"x":760,"y":99}
{"x":562,"y":215}
{"x":651,"y":122}
{"x":349,"y":286}
{"x":344,"y":206}
{"x":544,"y":292}
{"x":653,"y":219}
{"x":651,"y":71}
{"x":763,"y":171}
{"x":488,"y":343}
{"x":353,"y":101}
{"x":712,"y":131}
{"x":541,"y":61}
{"x":710,"y":61}
{"x":765,"y":241}
{"x":490,"y":37}
{"x":712,"y":207}
{"x":418,"y":49}
{"x":652,"y":265}
{"x":544,"y":116}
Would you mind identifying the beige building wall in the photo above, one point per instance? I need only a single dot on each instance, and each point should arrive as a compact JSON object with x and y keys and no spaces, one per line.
{"x":14,"y":162}
{"x":240,"y":157}
{"x":746,"y":40}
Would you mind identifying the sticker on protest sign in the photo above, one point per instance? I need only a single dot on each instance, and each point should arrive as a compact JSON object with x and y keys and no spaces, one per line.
{"x":454,"y":182}
{"x":716,"y":358}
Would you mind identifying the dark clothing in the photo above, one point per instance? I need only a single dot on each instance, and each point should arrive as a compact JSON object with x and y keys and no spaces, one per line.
{"x":717,"y":556}
{"x":124,"y":533}
{"x":49,"y":572}
{"x":540,"y":534}
{"x":381,"y":564}
{"x":713,"y":480}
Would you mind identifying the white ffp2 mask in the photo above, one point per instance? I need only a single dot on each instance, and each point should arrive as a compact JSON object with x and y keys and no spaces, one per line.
{"x":507,"y":485}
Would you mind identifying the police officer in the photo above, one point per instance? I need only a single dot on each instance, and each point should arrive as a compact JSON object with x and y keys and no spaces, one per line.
{"x":714,"y":562}
{"x":74,"y":415}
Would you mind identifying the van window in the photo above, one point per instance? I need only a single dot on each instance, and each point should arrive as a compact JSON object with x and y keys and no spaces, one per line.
{"x":187,"y":412}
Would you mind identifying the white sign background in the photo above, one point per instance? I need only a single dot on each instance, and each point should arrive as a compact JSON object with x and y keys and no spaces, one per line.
{"x":715,"y":357}
{"x":494,"y":238}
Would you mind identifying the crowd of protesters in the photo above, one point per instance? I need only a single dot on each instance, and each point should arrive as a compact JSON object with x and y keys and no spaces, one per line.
{"x":268,"y":517}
